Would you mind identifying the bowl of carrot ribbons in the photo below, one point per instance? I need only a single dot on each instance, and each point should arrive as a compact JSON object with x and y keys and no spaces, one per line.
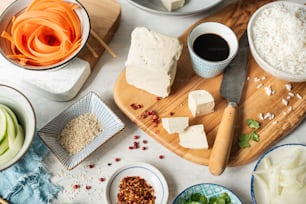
{"x":43,"y":34}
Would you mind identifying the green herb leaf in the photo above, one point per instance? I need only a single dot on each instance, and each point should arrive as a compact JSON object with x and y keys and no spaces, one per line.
{"x":244,"y":137}
{"x":254,"y":136}
{"x":244,"y":144}
{"x":253,"y":124}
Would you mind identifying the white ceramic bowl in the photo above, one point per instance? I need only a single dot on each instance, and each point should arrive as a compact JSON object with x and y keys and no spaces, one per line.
{"x":17,"y":7}
{"x":278,"y":174}
{"x":144,"y":170}
{"x":24,"y":111}
{"x":259,"y":58}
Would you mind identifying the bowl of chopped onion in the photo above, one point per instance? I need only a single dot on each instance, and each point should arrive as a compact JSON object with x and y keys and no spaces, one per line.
{"x":279,"y":175}
{"x":276,"y":33}
{"x":43,"y":34}
{"x":17,"y":125}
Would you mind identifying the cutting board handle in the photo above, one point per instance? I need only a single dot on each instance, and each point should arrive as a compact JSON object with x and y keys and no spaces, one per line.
{"x":223,"y":142}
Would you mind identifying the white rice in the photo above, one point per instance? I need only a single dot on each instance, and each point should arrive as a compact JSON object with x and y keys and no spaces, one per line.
{"x":279,"y":35}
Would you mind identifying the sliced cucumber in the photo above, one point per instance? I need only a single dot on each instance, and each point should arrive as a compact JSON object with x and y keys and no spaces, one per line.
{"x":16,"y":146}
{"x":2,"y":125}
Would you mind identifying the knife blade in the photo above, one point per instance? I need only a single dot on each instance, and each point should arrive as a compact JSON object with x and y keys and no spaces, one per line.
{"x":231,"y":88}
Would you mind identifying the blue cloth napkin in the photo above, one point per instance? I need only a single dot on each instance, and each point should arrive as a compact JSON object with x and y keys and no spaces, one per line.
{"x":28,"y":181}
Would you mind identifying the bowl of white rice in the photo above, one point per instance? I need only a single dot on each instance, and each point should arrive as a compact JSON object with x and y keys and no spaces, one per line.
{"x":277,"y":38}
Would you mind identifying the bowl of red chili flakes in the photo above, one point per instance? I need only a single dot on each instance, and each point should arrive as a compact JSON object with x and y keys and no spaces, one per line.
{"x":137,"y":182}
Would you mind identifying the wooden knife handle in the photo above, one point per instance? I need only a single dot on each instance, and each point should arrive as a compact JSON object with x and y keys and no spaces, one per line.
{"x":222,"y":147}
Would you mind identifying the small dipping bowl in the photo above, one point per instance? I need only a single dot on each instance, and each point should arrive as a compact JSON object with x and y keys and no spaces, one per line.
{"x":208,"y":68}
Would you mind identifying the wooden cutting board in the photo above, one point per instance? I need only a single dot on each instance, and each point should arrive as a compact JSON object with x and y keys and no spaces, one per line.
{"x":105,"y":18}
{"x":254,"y":100}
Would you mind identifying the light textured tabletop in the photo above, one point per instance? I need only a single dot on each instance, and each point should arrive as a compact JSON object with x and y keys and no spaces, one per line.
{"x":178,"y":172}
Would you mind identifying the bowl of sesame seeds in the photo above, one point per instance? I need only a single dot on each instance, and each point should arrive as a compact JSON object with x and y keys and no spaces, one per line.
{"x":276,"y":33}
{"x":80,"y":129}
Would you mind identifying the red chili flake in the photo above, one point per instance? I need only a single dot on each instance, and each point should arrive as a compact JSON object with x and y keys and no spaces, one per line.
{"x":131,"y":147}
{"x":136,"y":145}
{"x":150,"y":112}
{"x":145,"y":141}
{"x":117,"y":159}
{"x":76,"y":186}
{"x":158,"y":98}
{"x":135,"y":106}
{"x":144,"y":148}
{"x":154,"y":117}
{"x":102,"y":179}
{"x":161,"y":156}
{"x":171,"y":113}
{"x":136,"y":137}
{"x":87,"y":187}
{"x":91,"y":166}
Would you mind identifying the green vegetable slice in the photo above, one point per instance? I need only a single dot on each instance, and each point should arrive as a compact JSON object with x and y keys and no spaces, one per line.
{"x":2,"y":125}
{"x":16,"y":146}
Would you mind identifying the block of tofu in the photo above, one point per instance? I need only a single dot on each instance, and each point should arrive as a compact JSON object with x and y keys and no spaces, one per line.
{"x":152,"y":61}
{"x":175,"y":124}
{"x":193,"y":137}
{"x":172,"y":5}
{"x":200,"y":102}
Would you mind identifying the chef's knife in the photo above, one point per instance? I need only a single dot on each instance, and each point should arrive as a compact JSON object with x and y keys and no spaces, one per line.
{"x":231,"y":88}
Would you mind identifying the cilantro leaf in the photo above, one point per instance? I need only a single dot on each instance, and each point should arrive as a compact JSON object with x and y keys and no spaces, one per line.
{"x":253,"y":124}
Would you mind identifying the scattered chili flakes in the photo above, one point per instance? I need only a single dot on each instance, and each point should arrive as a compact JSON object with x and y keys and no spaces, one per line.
{"x":76,"y":186}
{"x":101,"y":179}
{"x":161,"y":156}
{"x":117,"y":159}
{"x":144,"y":141}
{"x":87,"y":187}
{"x":136,"y":106}
{"x":136,"y":137}
{"x":158,"y":98}
{"x":91,"y":166}
{"x":171,"y":113}
{"x":144,"y":148}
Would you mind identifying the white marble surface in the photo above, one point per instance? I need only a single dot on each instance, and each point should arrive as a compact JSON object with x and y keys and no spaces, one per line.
{"x":178,"y":172}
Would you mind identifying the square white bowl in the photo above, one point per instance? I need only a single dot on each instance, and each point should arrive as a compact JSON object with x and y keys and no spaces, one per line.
{"x":91,"y":103}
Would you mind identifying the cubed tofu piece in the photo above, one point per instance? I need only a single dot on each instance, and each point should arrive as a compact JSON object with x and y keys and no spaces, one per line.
{"x":175,"y":124}
{"x":200,"y":102}
{"x":193,"y":137}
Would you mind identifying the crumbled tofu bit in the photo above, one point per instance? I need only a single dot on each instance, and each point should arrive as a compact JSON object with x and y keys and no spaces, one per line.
{"x":263,"y":78}
{"x":269,"y":90}
{"x":284,"y":113}
{"x":288,"y":97}
{"x":288,"y":87}
{"x":256,"y":79}
{"x":291,"y":94}
{"x":274,"y":122}
{"x":290,"y":108}
{"x":259,"y":85}
{"x":261,"y":116}
{"x":248,"y":78}
{"x":285,"y":102}
{"x":299,"y":96}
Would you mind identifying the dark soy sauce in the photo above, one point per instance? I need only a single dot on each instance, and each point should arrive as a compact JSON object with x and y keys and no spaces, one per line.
{"x":211,"y":47}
